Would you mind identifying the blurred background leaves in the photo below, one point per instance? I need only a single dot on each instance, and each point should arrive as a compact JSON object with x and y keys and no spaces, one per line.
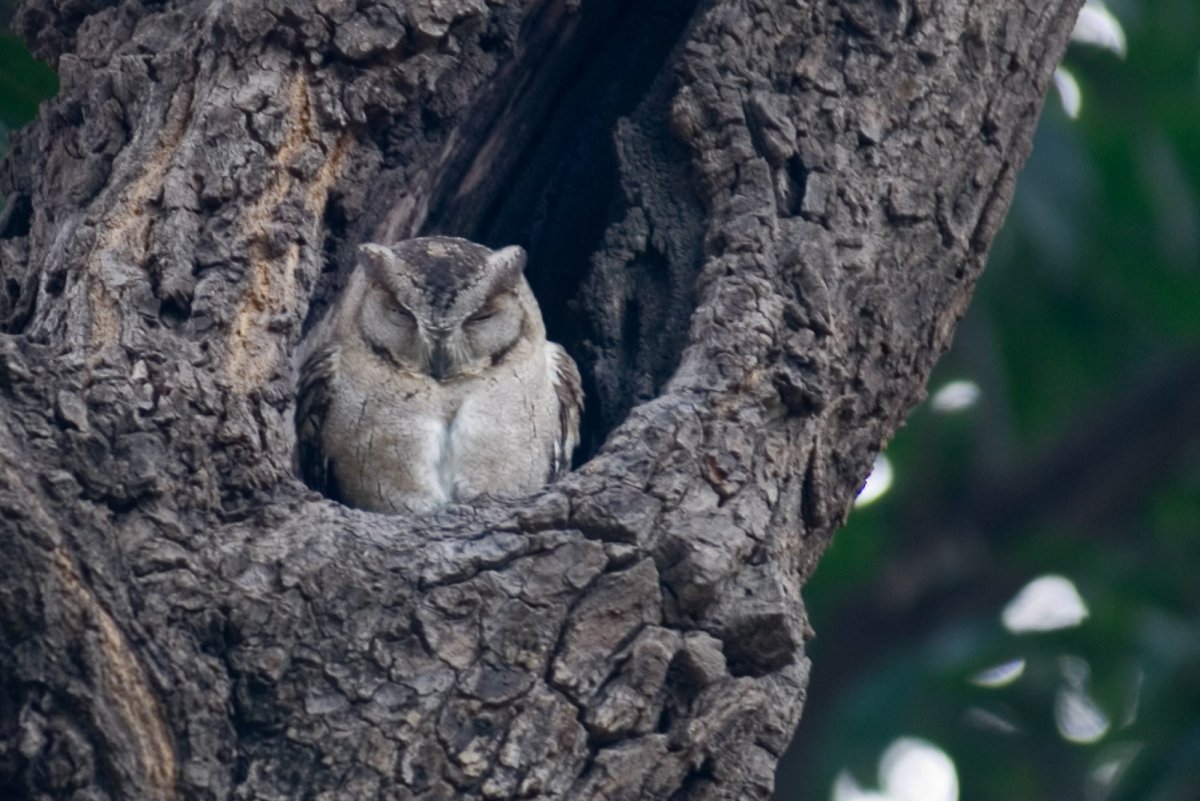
{"x":1069,"y":444}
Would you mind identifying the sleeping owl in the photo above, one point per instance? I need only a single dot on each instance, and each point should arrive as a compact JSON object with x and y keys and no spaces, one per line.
{"x":430,"y":381}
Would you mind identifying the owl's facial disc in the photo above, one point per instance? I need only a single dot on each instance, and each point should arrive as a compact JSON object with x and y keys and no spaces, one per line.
{"x":445,"y":307}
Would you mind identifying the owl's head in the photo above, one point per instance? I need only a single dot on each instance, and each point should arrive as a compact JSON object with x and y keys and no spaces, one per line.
{"x":444,"y":306}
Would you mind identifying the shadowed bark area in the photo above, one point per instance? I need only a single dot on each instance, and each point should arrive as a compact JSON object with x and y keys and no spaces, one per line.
{"x":753,"y":223}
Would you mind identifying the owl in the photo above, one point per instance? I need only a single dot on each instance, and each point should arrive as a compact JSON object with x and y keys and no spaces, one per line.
{"x":430,"y":381}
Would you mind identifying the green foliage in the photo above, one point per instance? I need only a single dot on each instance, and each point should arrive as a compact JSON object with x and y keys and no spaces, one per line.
{"x":24,"y":83}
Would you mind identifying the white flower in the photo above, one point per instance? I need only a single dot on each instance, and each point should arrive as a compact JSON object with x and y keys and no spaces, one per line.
{"x":879,"y":482}
{"x":1096,"y":26}
{"x":1068,"y":92}
{"x":909,"y":770}
{"x":955,"y":396}
{"x":1045,"y":604}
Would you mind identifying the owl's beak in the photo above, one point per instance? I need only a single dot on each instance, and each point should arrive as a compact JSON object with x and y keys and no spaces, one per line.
{"x":440,"y":363}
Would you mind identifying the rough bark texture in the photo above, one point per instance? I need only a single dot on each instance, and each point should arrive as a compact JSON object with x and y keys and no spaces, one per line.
{"x":753,"y":223}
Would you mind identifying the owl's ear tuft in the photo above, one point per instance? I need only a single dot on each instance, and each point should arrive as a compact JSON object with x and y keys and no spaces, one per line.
{"x":374,"y":255}
{"x":376,"y":259}
{"x":506,"y":265}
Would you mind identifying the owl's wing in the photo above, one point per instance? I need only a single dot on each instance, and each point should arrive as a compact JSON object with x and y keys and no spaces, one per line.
{"x":568,"y":386}
{"x":314,"y":390}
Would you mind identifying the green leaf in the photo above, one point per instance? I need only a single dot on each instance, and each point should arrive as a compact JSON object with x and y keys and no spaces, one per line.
{"x":24,"y":82}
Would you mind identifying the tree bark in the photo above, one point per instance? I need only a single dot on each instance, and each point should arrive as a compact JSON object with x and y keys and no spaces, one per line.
{"x":753,"y":223}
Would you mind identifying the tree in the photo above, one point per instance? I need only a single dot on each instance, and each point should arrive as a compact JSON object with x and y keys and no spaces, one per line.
{"x":753,"y":223}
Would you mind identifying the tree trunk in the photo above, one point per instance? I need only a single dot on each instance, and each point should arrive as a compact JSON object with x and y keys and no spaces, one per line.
{"x":753,"y":222}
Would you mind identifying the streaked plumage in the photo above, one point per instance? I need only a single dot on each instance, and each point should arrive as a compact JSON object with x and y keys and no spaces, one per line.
{"x":431,"y":381}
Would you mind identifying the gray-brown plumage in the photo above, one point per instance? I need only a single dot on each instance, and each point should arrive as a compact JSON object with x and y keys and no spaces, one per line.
{"x":431,"y":381}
